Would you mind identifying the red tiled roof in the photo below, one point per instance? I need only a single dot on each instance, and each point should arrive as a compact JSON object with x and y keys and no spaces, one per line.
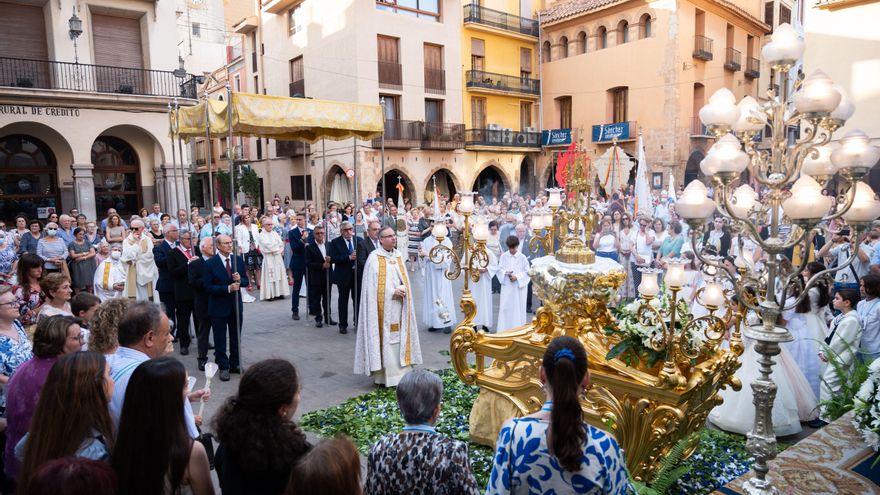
{"x":564,"y":10}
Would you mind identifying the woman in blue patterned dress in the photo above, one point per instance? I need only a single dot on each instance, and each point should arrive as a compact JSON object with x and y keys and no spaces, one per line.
{"x":553,"y":450}
{"x":8,"y":258}
{"x":15,"y":348}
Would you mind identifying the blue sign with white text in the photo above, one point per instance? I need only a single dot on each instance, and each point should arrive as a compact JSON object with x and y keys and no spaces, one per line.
{"x":608,"y":132}
{"x":556,"y":137}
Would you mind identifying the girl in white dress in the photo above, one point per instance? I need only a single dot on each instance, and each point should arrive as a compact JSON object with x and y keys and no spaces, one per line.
{"x":605,"y":242}
{"x":809,"y":331}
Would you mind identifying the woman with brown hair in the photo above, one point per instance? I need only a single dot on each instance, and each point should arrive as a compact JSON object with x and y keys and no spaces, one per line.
{"x":115,"y":230}
{"x":103,"y":336}
{"x":55,"y":337}
{"x":72,"y":418}
{"x":553,"y":449}
{"x":333,"y":466}
{"x":56,"y":287}
{"x":28,"y":294}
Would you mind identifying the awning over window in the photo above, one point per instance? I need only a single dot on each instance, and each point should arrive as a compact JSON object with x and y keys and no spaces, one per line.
{"x":283,"y":118}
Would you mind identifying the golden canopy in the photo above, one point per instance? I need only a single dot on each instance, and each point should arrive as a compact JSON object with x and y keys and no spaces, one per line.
{"x":283,"y":118}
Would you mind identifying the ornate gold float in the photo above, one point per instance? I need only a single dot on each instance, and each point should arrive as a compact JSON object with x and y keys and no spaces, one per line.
{"x":647,"y":409}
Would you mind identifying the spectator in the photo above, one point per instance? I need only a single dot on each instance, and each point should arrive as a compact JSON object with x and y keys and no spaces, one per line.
{"x":71,"y":418}
{"x":259,"y":442}
{"x":29,"y":240}
{"x":333,"y":466}
{"x":8,"y":258}
{"x":15,"y":348}
{"x":21,"y":229}
{"x":52,"y":249}
{"x":28,"y":294}
{"x":103,"y":251}
{"x":418,"y":460}
{"x":554,"y":450}
{"x":56,"y":287}
{"x":73,"y":476}
{"x":114,"y":229}
{"x":92,"y":236}
{"x":154,"y":453}
{"x":83,"y":306}
{"x":868,"y":310}
{"x":102,"y":333}
{"x":54,"y":337}
{"x":82,"y":266}
{"x":843,"y":344}
{"x":65,"y":228}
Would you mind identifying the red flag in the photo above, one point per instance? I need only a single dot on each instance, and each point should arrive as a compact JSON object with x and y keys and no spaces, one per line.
{"x":562,"y":165}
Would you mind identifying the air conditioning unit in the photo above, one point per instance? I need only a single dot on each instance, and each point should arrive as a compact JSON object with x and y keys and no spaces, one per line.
{"x":530,"y":129}
{"x":508,"y":136}
{"x":494,"y":127}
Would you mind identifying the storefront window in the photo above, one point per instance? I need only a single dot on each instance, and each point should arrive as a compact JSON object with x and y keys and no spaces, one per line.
{"x":117,"y":183}
{"x":28,"y":182}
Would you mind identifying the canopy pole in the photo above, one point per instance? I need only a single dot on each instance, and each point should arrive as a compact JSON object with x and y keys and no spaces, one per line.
{"x":178,"y":184}
{"x":324,"y":214}
{"x":208,"y":161}
{"x":231,"y":157}
{"x":357,"y":294}
{"x":384,"y":200}
{"x":186,"y":191}
{"x":171,"y":113}
{"x":305,"y":186}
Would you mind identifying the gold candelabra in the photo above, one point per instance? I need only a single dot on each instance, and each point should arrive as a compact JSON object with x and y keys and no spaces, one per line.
{"x":790,"y":208}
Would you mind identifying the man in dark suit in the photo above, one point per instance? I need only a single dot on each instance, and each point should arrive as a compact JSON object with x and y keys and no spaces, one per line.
{"x":343,"y":255}
{"x":318,"y":266}
{"x":298,"y":237}
{"x":178,"y":260}
{"x":365,"y":246}
{"x":165,"y":285}
{"x":224,"y":280}
{"x":196,"y":279}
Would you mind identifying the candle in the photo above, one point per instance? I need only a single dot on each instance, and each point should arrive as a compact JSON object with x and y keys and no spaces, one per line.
{"x":674,"y":273}
{"x":467,"y":202}
{"x":864,"y":208}
{"x":648,"y":287}
{"x":806,"y":201}
{"x":713,"y":295}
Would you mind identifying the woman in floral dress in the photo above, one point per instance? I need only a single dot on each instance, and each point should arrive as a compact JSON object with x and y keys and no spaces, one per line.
{"x":8,"y":258}
{"x":28,"y":294}
{"x":15,"y":348}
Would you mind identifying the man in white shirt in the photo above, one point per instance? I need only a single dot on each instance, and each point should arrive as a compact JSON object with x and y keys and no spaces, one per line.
{"x":182,"y":222}
{"x":156,"y":214}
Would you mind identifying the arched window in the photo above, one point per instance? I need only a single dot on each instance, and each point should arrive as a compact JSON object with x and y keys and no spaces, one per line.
{"x":582,"y":42}
{"x":563,"y":47}
{"x":601,"y":38}
{"x":117,"y":177}
{"x":645,"y":26}
{"x":545,"y":52}
{"x":28,"y":181}
{"x":622,"y":32}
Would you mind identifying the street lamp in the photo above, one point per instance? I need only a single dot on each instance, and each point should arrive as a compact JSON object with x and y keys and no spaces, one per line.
{"x":75,"y":24}
{"x":791,"y":176}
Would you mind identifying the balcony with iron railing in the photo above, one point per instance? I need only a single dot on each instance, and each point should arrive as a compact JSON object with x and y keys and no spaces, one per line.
{"x":698,"y":129}
{"x":490,"y":82}
{"x":44,"y":74}
{"x":481,"y":16}
{"x":297,"y":89}
{"x":390,"y":75}
{"x":506,"y":138}
{"x":401,"y":134}
{"x":435,"y":81}
{"x":702,"y":48}
{"x":442,"y":136}
{"x":753,"y":69}
{"x":292,"y":148}
{"x":733,"y":60}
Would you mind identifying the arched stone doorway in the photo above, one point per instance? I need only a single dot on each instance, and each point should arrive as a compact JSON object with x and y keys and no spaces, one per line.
{"x":391,"y":181}
{"x":116,"y":175}
{"x":527,"y":177}
{"x":338,"y":186}
{"x":490,"y":184}
{"x":692,"y":170}
{"x":445,"y":185}
{"x":28,"y":177}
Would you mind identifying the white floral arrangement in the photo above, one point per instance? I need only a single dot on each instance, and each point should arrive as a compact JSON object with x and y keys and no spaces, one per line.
{"x":866,"y":407}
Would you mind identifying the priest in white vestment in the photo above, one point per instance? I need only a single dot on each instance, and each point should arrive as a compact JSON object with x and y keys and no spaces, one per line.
{"x":110,"y":276}
{"x":513,"y":273}
{"x":273,"y":276}
{"x":482,"y":292}
{"x":141,"y":270}
{"x":387,"y":331}
{"x":438,"y":306}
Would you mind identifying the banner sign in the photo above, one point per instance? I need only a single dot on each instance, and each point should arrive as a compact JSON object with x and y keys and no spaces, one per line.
{"x":608,"y":132}
{"x":556,"y":137}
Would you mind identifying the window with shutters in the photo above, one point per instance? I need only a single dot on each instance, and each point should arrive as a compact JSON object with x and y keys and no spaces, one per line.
{"x":23,"y":36}
{"x":297,"y":78}
{"x":525,"y":115}
{"x":390,"y":71}
{"x":196,"y":29}
{"x":117,"y":43}
{"x":784,"y":14}
{"x":293,"y":24}
{"x":478,"y":54}
{"x":478,"y":112}
{"x":563,"y":105}
{"x":392,"y":106}
{"x":525,"y":63}
{"x":618,"y":98}
{"x":433,"y":111}
{"x":768,"y":14}
{"x":435,"y":76}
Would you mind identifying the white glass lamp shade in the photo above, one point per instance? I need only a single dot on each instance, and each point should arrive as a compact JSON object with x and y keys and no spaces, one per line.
{"x":846,"y":108}
{"x":713,"y":295}
{"x":750,"y":117}
{"x":694,"y":202}
{"x":855,"y":151}
{"x":439,"y":231}
{"x":743,"y":200}
{"x":649,"y":287}
{"x":817,"y":94}
{"x":481,"y":230}
{"x":721,"y":109}
{"x":806,"y":201}
{"x":547,"y":219}
{"x":726,"y":155}
{"x":864,"y":208}
{"x":537,"y":222}
{"x":821,"y":165}
{"x":674,"y":274}
{"x":554,"y":197}
{"x":467,"y":202}
{"x":785,"y":46}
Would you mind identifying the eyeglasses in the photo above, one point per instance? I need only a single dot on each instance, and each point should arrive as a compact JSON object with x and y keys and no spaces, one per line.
{"x":11,"y":304}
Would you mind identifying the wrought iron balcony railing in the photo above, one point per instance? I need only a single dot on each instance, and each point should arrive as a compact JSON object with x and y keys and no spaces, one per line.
{"x":401,"y":134}
{"x":753,"y":69}
{"x":440,"y":136}
{"x":478,"y":79}
{"x":435,"y":81}
{"x":390,"y":75}
{"x":502,"y":138}
{"x":732,"y":60}
{"x":702,"y":48}
{"x":501,"y":20}
{"x":44,"y":74}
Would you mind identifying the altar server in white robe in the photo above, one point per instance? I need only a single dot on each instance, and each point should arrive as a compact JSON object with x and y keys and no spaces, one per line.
{"x":387,"y":331}
{"x":438,"y":306}
{"x":273,"y":276}
{"x":513,"y":272}
{"x":482,"y":292}
{"x":110,"y":276}
{"x":141,"y":270}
